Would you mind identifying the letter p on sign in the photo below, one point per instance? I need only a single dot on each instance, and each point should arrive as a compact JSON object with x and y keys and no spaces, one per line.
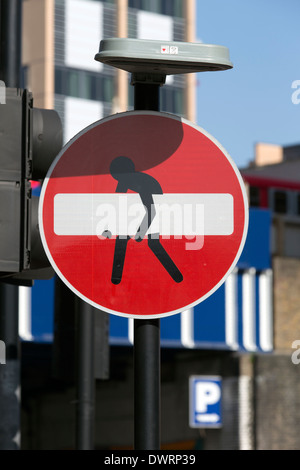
{"x":207,"y":393}
{"x":205,"y":402}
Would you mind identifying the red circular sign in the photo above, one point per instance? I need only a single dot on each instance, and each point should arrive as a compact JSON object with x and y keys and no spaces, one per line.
{"x":143,"y":214}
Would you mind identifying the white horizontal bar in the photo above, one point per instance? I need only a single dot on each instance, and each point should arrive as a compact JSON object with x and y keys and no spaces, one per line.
{"x":207,"y":418}
{"x":266,"y":310}
{"x":249,"y":309}
{"x":231,"y":310}
{"x":121,"y":214}
{"x":187,"y":328}
{"x":25,"y":313}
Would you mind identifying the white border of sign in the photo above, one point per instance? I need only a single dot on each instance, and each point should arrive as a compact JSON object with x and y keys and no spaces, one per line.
{"x":122,"y":115}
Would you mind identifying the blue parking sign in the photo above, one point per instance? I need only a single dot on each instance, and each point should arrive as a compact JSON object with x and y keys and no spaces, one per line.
{"x":205,"y":401}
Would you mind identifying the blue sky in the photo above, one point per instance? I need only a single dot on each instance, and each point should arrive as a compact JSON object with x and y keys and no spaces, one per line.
{"x":252,"y":102}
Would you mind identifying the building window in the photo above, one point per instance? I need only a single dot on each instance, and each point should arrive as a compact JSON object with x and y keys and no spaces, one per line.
{"x":172,"y":100}
{"x":285,"y":201}
{"x":166,"y":7}
{"x":280,"y":201}
{"x":83,"y":84}
{"x":73,"y":84}
{"x":298,"y":204}
{"x":254,"y":196}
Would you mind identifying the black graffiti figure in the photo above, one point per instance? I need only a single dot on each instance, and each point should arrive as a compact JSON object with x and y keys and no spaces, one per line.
{"x":123,"y":170}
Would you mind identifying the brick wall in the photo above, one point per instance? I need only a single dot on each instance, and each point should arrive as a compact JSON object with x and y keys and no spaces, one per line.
{"x":286,"y":302}
{"x":277,"y":403}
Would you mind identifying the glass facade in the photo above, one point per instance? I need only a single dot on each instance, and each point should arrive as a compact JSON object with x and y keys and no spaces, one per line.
{"x":165,"y":7}
{"x":80,"y":25}
{"x":83,"y":84}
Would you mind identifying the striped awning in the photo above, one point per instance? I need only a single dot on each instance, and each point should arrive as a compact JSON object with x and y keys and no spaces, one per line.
{"x":238,"y":316}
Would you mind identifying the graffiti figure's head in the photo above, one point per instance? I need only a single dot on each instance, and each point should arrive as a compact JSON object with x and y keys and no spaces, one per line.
{"x":120,"y":166}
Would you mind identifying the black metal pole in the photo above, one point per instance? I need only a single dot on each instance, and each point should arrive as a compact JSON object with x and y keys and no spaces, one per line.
{"x":10,"y":33}
{"x":85,"y":416}
{"x":10,"y":70}
{"x":10,"y":371}
{"x":146,"y":97}
{"x":146,"y":337}
{"x":147,"y":384}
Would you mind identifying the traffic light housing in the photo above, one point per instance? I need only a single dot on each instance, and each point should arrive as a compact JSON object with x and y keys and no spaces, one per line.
{"x":30,"y":139}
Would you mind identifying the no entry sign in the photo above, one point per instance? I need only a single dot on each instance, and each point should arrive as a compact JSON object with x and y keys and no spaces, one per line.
{"x":143,"y":214}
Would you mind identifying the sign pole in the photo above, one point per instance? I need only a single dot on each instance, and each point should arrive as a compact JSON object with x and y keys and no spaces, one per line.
{"x":147,"y":384}
{"x":146,"y":333}
{"x":85,"y":413}
{"x":10,"y":433}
